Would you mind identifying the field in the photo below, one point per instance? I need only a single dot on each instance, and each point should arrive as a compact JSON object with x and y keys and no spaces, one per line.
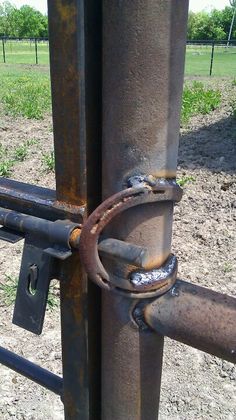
{"x":194,"y":385}
{"x":198,"y":60}
{"x":198,"y":57}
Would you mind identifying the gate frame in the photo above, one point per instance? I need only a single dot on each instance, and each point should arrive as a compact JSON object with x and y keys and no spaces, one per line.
{"x":130,"y":342}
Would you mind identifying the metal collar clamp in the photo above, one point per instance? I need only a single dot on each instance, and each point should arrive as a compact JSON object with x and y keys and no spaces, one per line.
{"x":145,"y":283}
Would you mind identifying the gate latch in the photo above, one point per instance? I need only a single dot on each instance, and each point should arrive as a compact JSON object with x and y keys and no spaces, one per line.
{"x":139,"y":283}
{"x":46,"y":244}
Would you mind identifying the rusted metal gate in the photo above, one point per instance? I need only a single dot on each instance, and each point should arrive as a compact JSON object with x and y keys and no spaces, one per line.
{"x":116,"y":88}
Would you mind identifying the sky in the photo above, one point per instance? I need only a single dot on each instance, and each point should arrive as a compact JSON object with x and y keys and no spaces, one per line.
{"x":194,"y":5}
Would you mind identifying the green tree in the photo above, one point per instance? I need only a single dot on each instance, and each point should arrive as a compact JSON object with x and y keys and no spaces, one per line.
{"x":7,"y":19}
{"x":25,"y":22}
{"x":227,"y":14}
{"x":209,"y":26}
{"x":31,"y":23}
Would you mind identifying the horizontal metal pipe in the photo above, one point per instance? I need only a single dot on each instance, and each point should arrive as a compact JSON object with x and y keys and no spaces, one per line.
{"x":58,"y":232}
{"x":196,"y":316}
{"x":69,"y":233}
{"x":114,"y":248}
{"x":123,"y":251}
{"x":36,"y":201}
{"x":31,"y":371}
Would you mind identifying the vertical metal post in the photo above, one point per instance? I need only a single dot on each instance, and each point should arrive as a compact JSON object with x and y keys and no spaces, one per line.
{"x":36,"y":51}
{"x":212,"y":57}
{"x":143,"y":65}
{"x":75,"y":51}
{"x":3,"y":51}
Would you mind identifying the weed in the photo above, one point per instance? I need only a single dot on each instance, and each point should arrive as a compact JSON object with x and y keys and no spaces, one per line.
{"x":20,"y":152}
{"x":31,"y":142}
{"x":185,"y":180}
{"x":26,"y":96}
{"x":53,"y":300}
{"x":6,"y":167}
{"x":234,"y":82}
{"x":233,"y":108}
{"x":49,"y":161}
{"x":8,"y":290}
{"x":227,"y":267}
{"x":198,"y":100}
{"x":3,"y":150}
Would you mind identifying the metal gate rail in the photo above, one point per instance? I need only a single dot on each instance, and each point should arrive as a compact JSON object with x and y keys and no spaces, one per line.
{"x":116,"y":93}
{"x":32,"y":371}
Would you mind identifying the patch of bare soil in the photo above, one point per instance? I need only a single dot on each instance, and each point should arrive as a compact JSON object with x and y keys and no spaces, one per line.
{"x":194,"y":385}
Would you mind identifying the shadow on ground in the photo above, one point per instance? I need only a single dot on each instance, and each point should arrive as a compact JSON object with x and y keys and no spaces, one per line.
{"x":211,"y":146}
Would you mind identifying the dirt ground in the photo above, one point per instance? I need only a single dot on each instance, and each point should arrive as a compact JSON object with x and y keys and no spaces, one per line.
{"x":194,"y":385}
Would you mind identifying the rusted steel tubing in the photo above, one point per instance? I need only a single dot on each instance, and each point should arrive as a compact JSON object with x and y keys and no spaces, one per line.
{"x":58,"y":232}
{"x":75,"y":63}
{"x":143,"y":64}
{"x":196,"y":316}
{"x":36,"y":201}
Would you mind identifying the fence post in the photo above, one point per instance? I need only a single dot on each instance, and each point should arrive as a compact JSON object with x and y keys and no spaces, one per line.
{"x":143,"y":67}
{"x":3,"y":51}
{"x":36,"y":51}
{"x":212,"y":56}
{"x":75,"y":65}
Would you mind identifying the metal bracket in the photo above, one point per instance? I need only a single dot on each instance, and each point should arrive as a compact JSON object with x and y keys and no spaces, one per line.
{"x":142,"y":190}
{"x":46,"y":243}
{"x":36,"y":272}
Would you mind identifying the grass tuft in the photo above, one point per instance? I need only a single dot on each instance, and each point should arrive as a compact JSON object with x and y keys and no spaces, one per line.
{"x":25,"y":95}
{"x":20,"y":152}
{"x":233,"y":107}
{"x":8,"y":291}
{"x":198,"y":100}
{"x":48,"y":161}
{"x":6,"y":167}
{"x":185,"y":180}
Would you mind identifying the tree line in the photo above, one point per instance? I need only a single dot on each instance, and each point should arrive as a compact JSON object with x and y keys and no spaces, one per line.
{"x":25,"y":22}
{"x":214,"y":25}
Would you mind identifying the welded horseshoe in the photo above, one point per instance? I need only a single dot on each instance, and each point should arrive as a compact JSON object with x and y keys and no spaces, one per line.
{"x":142,"y":192}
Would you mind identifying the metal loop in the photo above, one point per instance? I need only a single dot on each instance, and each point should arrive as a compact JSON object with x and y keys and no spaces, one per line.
{"x":142,"y":191}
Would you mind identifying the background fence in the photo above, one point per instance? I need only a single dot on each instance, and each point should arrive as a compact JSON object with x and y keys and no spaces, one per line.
{"x":214,"y":58}
{"x":203,"y":58}
{"x":25,"y":51}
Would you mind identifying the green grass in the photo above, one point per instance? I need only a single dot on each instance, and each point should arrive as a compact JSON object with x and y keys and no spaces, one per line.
{"x":185,"y":180}
{"x":25,"y":91}
{"x":198,"y":100}
{"x":198,"y":59}
{"x":6,"y":166}
{"x":8,"y":290}
{"x":227,"y":268}
{"x":20,"y":152}
{"x":48,"y":161}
